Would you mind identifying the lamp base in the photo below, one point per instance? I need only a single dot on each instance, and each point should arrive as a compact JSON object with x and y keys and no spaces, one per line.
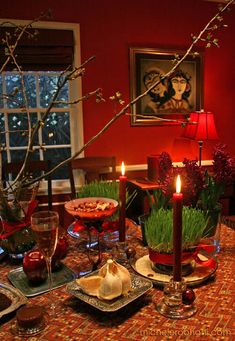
{"x":171,"y":305}
{"x":200,"y":143}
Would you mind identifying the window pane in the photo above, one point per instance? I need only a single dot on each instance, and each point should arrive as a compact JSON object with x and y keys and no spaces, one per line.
{"x":48,"y":85}
{"x":30,"y":85}
{"x":18,"y":155}
{"x":56,"y":155}
{"x":14,"y":91}
{"x":56,"y":130}
{"x":18,"y":124}
{"x":2,"y":129}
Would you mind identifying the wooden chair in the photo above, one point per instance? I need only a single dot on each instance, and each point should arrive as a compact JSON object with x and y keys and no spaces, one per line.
{"x":94,"y":167}
{"x":36,"y":168}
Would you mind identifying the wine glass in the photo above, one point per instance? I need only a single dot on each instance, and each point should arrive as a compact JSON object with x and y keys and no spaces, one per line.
{"x":45,"y":225}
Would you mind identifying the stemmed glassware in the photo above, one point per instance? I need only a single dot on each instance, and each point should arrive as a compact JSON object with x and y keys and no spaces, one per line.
{"x":45,"y":226}
{"x":92,"y":212}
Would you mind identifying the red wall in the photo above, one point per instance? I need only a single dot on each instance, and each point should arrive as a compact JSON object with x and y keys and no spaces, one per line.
{"x":108,"y":29}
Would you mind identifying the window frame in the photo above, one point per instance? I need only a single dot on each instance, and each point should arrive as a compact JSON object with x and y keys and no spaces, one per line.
{"x":76,"y":110}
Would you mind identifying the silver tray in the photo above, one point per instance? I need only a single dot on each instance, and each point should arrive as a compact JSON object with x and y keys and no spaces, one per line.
{"x":201,"y":273}
{"x":16,"y":297}
{"x":140,"y":286}
{"x":60,"y":277}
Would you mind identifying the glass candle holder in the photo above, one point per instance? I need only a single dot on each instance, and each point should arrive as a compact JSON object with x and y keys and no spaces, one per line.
{"x":172,"y":304}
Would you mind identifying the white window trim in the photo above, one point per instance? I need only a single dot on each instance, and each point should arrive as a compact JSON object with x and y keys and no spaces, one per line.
{"x":76,"y":122}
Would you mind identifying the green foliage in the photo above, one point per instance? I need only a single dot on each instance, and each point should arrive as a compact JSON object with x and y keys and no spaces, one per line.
{"x":211,"y":193}
{"x":158,"y":199}
{"x":159,"y":228}
{"x":106,"y":189}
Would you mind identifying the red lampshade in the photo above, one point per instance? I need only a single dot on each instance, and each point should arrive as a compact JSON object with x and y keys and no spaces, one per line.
{"x":190,"y":129}
{"x":201,"y":127}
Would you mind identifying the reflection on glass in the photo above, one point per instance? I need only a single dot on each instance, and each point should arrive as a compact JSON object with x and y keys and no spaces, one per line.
{"x":14,"y":90}
{"x":18,"y":125}
{"x":57,"y":129}
{"x":48,"y":85}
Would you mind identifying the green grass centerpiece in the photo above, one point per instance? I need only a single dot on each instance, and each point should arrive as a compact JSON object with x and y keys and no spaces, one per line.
{"x":105,"y":189}
{"x":159,"y":236}
{"x":159,"y":229}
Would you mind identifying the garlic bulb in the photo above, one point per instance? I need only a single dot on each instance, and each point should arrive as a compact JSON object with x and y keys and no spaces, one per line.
{"x":111,"y":285}
{"x":113,"y":280}
{"x":120,"y":271}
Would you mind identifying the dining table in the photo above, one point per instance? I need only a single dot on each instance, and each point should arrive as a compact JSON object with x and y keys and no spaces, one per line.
{"x":75,"y":319}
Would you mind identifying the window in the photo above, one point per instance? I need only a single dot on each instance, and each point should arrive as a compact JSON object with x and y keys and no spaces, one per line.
{"x":63,"y":130}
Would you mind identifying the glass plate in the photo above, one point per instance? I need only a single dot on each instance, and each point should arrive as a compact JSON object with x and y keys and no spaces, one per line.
{"x":201,"y":273}
{"x":60,"y":277}
{"x":16,"y":297}
{"x":140,"y":286}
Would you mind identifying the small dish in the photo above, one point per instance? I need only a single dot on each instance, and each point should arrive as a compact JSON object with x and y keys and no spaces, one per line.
{"x":140,"y":286}
{"x":19,"y":279}
{"x":199,"y":275}
{"x":29,"y":332}
{"x":92,"y":214}
{"x":16,"y":297}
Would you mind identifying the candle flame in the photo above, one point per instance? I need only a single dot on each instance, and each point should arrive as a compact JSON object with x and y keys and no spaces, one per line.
{"x":178,"y":184}
{"x":123,"y":168}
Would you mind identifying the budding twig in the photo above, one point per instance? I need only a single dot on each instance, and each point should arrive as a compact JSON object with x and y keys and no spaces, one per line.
{"x":77,"y":72}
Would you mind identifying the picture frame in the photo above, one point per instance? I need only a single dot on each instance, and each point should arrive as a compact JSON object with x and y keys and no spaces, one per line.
{"x":175,"y":97}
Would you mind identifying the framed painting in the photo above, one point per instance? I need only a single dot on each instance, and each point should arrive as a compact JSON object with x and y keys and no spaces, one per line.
{"x":174,"y":97}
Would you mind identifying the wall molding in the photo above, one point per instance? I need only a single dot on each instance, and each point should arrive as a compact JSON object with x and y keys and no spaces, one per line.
{"x":144,"y":166}
{"x":63,"y":186}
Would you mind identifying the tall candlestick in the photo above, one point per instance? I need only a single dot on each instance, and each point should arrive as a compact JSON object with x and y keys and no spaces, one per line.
{"x":177,"y":230}
{"x":122,"y":201}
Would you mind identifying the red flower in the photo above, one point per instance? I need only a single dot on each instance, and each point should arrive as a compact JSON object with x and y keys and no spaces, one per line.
{"x":223,"y":165}
{"x":194,"y":181}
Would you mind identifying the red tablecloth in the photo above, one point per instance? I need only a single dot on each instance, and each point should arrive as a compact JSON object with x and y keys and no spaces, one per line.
{"x":214,"y":320}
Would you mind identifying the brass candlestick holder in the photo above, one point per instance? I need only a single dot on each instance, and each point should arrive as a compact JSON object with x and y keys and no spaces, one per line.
{"x":178,"y":301}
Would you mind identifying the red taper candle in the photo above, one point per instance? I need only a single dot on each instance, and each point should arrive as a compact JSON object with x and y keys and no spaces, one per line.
{"x":177,"y":230}
{"x":122,"y":203}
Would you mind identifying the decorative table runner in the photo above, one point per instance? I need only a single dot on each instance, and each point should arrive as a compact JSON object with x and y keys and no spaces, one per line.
{"x":139,"y":320}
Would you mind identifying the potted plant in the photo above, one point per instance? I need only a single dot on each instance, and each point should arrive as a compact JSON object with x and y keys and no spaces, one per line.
{"x":159,"y":237}
{"x":201,"y":189}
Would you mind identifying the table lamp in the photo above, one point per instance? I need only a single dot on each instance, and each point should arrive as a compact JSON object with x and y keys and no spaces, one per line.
{"x":201,"y":127}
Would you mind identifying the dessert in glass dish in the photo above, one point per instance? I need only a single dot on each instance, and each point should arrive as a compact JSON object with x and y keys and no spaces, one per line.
{"x":90,"y":213}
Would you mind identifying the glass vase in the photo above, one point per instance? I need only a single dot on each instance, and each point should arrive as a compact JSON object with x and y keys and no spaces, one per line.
{"x":18,"y":243}
{"x":211,"y":233}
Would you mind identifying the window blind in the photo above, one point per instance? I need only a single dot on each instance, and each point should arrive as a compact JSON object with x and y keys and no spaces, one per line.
{"x":49,"y":50}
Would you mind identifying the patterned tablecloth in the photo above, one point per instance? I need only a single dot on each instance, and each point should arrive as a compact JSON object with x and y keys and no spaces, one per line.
{"x":75,"y":320}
